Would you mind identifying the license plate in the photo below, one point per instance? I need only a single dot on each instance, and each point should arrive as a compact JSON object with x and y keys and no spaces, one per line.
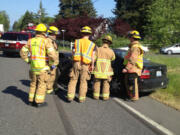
{"x":6,"y":45}
{"x":158,"y":73}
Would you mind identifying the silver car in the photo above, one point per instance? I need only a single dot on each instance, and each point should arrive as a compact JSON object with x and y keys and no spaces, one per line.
{"x":171,"y":49}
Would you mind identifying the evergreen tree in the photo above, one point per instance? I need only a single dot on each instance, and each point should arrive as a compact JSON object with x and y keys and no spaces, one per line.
{"x":75,"y":8}
{"x":133,"y":11}
{"x":4,"y":19}
{"x":27,"y":18}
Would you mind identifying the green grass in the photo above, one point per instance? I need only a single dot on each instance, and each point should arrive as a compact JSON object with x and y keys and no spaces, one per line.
{"x":170,"y":95}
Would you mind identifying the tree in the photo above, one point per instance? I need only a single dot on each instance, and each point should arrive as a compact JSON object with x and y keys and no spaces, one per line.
{"x":164,"y":24}
{"x":134,"y":12}
{"x":4,"y":19}
{"x":27,"y":18}
{"x":75,"y":8}
{"x":73,"y":26}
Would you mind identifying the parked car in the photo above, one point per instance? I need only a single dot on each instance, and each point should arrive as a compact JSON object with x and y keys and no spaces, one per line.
{"x":12,"y":42}
{"x":145,"y":49}
{"x":153,"y":74}
{"x":170,"y":49}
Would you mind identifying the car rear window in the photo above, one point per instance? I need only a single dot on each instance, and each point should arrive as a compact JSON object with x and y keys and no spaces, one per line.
{"x":15,"y":36}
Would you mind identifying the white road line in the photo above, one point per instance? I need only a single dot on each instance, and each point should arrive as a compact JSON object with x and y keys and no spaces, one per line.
{"x":143,"y":117}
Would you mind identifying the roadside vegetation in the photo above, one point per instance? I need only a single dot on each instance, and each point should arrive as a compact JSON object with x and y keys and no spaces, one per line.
{"x":170,"y":95}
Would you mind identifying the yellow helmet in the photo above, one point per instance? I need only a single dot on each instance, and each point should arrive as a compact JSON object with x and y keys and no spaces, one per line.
{"x":108,"y":38}
{"x":53,"y":30}
{"x":41,"y":27}
{"x":135,"y":34}
{"x":86,"y":29}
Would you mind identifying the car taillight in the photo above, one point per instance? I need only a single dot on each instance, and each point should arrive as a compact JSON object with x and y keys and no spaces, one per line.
{"x":145,"y":74}
{"x":17,"y":44}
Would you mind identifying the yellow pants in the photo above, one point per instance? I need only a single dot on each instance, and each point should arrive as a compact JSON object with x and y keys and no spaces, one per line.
{"x":37,"y":91}
{"x":82,"y":71}
{"x":132,"y":87}
{"x":51,"y":80}
{"x":105,"y":89}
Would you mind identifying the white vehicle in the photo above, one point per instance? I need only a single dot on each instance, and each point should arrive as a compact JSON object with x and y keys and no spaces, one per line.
{"x":145,"y":49}
{"x":171,"y":49}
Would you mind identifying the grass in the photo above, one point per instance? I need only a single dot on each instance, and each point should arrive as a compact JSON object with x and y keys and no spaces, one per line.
{"x":170,"y":95}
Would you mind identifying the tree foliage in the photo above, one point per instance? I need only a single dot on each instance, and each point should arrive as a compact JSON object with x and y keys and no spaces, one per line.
{"x":164,"y":24}
{"x":120,"y":27}
{"x":73,"y":26}
{"x":4,"y":19}
{"x":76,"y":8}
{"x":133,"y":11}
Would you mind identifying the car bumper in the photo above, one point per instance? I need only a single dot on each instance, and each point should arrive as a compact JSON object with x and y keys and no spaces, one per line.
{"x":12,"y":50}
{"x":147,"y":85}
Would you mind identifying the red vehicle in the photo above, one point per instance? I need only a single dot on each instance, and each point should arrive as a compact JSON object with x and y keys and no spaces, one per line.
{"x":12,"y":42}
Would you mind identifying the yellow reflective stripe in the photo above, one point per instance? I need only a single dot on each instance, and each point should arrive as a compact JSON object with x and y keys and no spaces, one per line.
{"x":31,"y":95}
{"x":40,"y":97}
{"x":103,"y":60}
{"x":70,"y":95}
{"x":89,"y":49}
{"x":25,"y":49}
{"x":49,"y":91}
{"x":50,"y":49}
{"x":96,"y":94}
{"x":106,"y":95}
{"x":82,"y":98}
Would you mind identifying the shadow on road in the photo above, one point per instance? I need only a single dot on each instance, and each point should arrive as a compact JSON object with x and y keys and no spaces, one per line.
{"x":25,"y":82}
{"x":13,"y":90}
{"x":62,"y":95}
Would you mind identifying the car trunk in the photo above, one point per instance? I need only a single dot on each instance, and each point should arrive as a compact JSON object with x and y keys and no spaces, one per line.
{"x":155,"y":70}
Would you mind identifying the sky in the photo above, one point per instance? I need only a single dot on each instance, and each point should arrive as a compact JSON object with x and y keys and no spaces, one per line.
{"x":16,"y":8}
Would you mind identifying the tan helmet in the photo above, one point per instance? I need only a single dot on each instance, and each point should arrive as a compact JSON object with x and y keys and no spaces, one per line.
{"x":135,"y":34}
{"x":86,"y":29}
{"x":41,"y":27}
{"x":53,"y":30}
{"x":108,"y":38}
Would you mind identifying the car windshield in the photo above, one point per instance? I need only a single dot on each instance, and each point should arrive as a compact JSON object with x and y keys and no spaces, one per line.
{"x":15,"y":37}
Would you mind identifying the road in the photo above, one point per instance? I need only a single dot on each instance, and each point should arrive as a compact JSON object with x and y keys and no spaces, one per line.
{"x":63,"y":118}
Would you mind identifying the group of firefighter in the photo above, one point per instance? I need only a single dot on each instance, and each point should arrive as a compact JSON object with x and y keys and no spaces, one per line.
{"x":42,"y":53}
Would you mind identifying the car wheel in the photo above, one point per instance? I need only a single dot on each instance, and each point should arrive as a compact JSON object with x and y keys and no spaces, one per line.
{"x":169,"y":52}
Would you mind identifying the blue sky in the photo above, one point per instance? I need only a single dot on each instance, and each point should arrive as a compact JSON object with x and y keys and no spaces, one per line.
{"x":16,"y":8}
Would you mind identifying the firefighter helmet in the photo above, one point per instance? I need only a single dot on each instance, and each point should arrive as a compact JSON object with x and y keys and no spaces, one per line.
{"x":41,"y":27}
{"x":108,"y":38}
{"x":135,"y":34}
{"x":86,"y":29}
{"x":53,"y":30}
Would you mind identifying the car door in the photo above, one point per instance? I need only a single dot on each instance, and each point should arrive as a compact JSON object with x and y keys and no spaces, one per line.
{"x":176,"y":48}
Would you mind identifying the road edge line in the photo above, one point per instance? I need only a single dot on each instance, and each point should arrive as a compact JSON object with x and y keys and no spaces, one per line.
{"x":144,"y":118}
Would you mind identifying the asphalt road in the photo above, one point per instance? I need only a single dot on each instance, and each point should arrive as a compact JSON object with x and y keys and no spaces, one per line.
{"x":60,"y":117}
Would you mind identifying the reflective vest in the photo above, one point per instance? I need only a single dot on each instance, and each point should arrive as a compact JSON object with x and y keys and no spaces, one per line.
{"x":139,"y":61}
{"x":83,"y":50}
{"x":103,"y":71}
{"x":38,"y":54}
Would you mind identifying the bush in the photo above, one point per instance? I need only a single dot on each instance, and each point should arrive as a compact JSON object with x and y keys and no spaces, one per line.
{"x":117,"y":41}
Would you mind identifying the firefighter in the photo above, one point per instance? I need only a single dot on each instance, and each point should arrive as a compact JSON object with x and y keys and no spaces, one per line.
{"x":133,"y":62}
{"x":36,"y":52}
{"x":103,"y":70}
{"x":83,"y":53}
{"x":51,"y":83}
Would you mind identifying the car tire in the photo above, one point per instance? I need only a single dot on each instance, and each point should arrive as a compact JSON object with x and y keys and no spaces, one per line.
{"x":169,"y":52}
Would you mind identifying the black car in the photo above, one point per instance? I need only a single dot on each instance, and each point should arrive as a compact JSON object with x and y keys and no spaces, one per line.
{"x":153,"y":74}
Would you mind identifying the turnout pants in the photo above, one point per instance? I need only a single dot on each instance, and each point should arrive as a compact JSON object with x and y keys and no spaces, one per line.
{"x":82,"y":71}
{"x":131,"y":84}
{"x":51,"y":82}
{"x":105,"y":89}
{"x":37,"y":87}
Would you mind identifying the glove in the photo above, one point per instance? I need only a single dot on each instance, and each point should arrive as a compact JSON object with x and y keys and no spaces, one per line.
{"x":53,"y":67}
